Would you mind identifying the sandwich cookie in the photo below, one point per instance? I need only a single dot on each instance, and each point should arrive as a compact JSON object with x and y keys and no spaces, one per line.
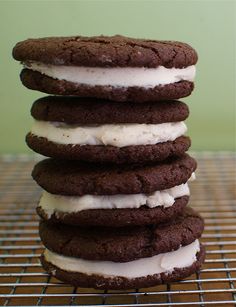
{"x":116,"y":68}
{"x":97,"y":195}
{"x":133,"y":257}
{"x":101,"y":131}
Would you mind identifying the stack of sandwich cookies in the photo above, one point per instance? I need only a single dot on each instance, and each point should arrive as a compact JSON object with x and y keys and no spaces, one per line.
{"x":113,"y":208}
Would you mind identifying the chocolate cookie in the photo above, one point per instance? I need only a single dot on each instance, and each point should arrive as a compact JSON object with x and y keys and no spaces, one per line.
{"x":89,"y":111}
{"x":116,"y":68}
{"x":124,"y":258}
{"x":123,"y":244}
{"x":104,"y":51}
{"x":76,"y":178}
{"x":39,"y":82}
{"x":112,"y":154}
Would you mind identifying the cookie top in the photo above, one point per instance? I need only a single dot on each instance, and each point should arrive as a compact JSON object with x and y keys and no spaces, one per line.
{"x":78,"y":178}
{"x":122,"y":245}
{"x":105,"y":51}
{"x":75,"y":110}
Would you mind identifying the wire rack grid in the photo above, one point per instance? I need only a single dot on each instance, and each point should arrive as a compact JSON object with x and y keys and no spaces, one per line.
{"x":24,"y":283}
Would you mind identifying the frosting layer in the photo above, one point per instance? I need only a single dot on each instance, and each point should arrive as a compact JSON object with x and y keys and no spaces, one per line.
{"x":51,"y":203}
{"x":116,"y":76}
{"x":118,"y":135}
{"x":183,"y":257}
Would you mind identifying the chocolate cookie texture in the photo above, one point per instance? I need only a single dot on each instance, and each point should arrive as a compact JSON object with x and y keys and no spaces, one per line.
{"x":103,"y":51}
{"x":119,"y":282}
{"x":124,"y":244}
{"x":116,"y":68}
{"x":76,"y":178}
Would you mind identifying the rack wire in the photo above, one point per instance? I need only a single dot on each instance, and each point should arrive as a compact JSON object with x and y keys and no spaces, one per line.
{"x":24,"y":283}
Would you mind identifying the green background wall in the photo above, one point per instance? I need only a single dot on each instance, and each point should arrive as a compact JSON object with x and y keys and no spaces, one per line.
{"x":209,"y":26}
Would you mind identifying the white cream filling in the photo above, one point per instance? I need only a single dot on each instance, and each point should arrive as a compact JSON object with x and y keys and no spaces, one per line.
{"x":118,"y":135}
{"x":115,"y":76}
{"x":183,"y":257}
{"x":52,"y":203}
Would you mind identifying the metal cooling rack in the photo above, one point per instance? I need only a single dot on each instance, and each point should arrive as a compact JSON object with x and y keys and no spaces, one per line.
{"x":24,"y":283}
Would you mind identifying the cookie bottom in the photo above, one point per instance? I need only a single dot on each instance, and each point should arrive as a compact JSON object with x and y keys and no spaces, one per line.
{"x":118,"y":155}
{"x":37,"y":81}
{"x":122,"y":283}
{"x":118,"y":217}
